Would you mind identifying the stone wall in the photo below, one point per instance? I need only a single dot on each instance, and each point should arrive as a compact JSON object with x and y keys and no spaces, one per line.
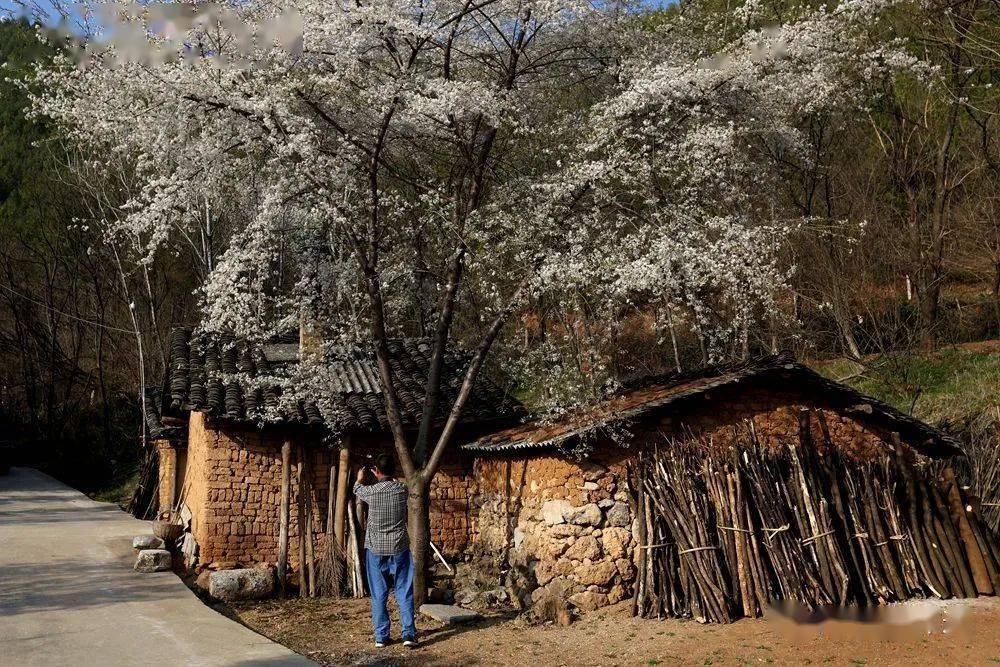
{"x":564,"y":528}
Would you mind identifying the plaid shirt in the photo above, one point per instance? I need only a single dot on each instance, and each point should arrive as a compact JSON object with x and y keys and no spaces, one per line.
{"x":385,"y":534}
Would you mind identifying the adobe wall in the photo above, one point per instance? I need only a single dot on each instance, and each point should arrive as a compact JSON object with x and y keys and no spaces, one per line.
{"x":565,"y":527}
{"x":233,"y":489}
{"x":230,"y":479}
{"x":450,"y":512}
{"x":775,"y":419}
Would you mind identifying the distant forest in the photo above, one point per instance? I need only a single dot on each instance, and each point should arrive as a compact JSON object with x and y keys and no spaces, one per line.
{"x":901,"y":252}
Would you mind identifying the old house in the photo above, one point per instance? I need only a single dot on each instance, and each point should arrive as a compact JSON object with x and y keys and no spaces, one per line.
{"x":708,"y":494}
{"x":222,"y":469}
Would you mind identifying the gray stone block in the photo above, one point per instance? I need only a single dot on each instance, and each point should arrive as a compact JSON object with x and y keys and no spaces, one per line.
{"x":448,"y":613}
{"x":141,"y":542}
{"x":245,"y":584}
{"x":152,"y":560}
{"x":619,"y":515}
{"x":588,"y":515}
{"x":553,"y":511}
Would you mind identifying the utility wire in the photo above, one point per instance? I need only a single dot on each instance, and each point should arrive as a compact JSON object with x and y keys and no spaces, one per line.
{"x":64,"y":313}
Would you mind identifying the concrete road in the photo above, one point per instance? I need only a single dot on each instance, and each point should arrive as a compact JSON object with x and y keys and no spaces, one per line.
{"x":69,"y":596}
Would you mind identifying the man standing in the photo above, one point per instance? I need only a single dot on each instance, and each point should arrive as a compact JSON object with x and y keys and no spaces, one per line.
{"x":387,"y":549}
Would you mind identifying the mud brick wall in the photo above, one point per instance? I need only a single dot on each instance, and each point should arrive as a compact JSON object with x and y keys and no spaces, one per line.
{"x":233,"y":489}
{"x":565,"y":526}
{"x":451,"y":522}
{"x":231,"y":482}
{"x":775,"y":418}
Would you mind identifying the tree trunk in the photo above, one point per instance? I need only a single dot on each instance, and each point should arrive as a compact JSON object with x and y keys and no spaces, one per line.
{"x":331,"y":494}
{"x":996,"y":295}
{"x":419,"y":529}
{"x":300,"y":505}
{"x":930,"y":300}
{"x":845,"y":325}
{"x":141,"y":504}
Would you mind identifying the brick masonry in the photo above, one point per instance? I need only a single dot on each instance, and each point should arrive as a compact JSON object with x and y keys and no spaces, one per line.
{"x":231,"y":481}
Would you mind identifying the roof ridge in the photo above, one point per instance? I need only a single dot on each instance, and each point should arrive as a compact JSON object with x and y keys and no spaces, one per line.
{"x":533,"y":435}
{"x":707,"y":370}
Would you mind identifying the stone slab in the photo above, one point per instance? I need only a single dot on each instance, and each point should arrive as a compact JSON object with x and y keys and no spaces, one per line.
{"x":244,"y":584}
{"x":152,"y":560}
{"x":448,"y":613}
{"x":142,"y":542}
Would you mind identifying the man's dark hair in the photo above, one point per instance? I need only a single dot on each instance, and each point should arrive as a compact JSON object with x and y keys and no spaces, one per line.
{"x":385,"y":464}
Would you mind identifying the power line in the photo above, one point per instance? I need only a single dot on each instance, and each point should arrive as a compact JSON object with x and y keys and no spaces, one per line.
{"x":64,"y":313}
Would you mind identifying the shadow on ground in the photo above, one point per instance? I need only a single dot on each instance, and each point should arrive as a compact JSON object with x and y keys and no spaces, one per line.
{"x":75,"y":583}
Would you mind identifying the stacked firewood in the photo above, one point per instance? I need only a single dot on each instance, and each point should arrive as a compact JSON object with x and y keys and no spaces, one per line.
{"x":724,"y":532}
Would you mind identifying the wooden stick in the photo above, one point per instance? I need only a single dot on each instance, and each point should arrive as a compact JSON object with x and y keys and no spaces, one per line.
{"x":310,"y":547}
{"x":300,"y":506}
{"x":980,"y":573}
{"x":742,"y":559}
{"x":356,"y":553}
{"x":343,"y":479}
{"x":331,"y":495}
{"x":920,"y":548}
{"x":639,"y":555}
{"x":286,"y":473}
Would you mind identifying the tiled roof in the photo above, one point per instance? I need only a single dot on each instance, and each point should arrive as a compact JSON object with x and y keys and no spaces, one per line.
{"x":153,"y":413}
{"x":227,"y":378}
{"x":649,"y":394}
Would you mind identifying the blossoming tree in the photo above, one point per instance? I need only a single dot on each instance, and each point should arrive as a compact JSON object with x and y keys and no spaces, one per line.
{"x":424,"y":167}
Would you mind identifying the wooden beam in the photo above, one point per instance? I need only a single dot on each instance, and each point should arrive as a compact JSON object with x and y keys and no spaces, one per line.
{"x":343,"y":479}
{"x":286,"y":479}
{"x":300,"y":505}
{"x":331,"y":494}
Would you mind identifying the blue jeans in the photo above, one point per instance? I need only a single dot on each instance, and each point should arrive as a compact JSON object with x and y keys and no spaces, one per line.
{"x":398,"y":570}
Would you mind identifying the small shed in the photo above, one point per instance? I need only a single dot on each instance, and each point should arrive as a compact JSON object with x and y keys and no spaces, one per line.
{"x":715,"y":493}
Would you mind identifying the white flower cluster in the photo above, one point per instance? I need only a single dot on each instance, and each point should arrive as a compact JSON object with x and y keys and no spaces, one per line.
{"x":557,"y":144}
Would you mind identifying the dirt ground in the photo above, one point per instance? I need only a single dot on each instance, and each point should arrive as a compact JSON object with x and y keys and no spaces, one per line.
{"x":338,"y":632}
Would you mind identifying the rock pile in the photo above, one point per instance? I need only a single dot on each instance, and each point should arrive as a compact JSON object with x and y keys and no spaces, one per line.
{"x":580,"y":553}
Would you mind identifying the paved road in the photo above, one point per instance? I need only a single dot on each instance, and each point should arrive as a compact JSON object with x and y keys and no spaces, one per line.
{"x":69,"y":596}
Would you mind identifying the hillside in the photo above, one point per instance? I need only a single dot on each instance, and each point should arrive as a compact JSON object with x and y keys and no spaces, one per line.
{"x":956,"y":388}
